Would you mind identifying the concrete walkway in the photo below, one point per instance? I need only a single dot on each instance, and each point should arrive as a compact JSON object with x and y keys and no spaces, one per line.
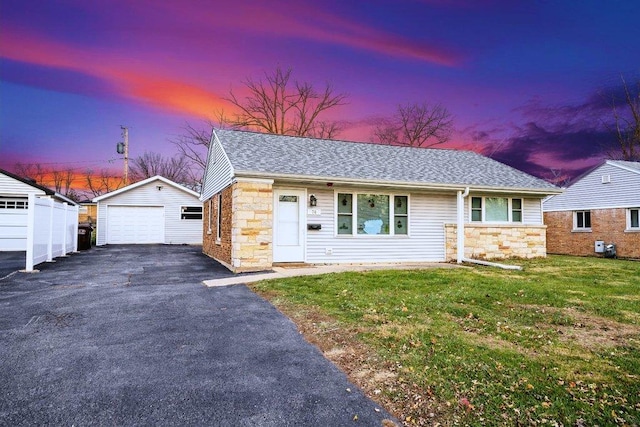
{"x":312,"y":270}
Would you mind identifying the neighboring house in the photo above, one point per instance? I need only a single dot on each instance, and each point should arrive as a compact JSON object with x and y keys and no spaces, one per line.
{"x":88,"y":212}
{"x":277,"y":199}
{"x":155,"y":210}
{"x":602,"y":206}
{"x":14,"y":194}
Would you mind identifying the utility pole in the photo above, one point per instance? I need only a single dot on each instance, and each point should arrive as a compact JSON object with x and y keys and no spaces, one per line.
{"x":123,"y":148}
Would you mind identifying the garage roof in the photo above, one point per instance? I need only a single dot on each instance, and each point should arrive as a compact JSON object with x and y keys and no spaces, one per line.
{"x":144,"y":182}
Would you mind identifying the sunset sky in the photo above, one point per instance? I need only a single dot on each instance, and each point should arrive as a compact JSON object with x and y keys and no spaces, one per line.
{"x":528,"y":82}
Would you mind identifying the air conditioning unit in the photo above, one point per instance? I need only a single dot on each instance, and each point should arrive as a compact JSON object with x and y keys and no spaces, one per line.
{"x":599,"y":246}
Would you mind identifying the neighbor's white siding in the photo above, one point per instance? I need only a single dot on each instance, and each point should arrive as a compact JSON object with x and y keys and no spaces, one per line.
{"x":426,"y":241}
{"x":177,"y":231}
{"x":591,"y":193}
{"x":12,"y":187}
{"x":219,"y":172}
{"x":13,"y":222}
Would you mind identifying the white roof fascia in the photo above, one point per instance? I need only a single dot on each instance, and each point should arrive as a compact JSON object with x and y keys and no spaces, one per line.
{"x":616,"y":164}
{"x":398,"y":184}
{"x":144,"y":182}
{"x":590,"y":208}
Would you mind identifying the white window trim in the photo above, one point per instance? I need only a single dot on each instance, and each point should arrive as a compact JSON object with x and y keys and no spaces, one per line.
{"x":219,"y":218}
{"x":191,"y":206}
{"x":629,"y":228}
{"x":354,"y":215}
{"x":575,"y":223}
{"x":509,"y":210}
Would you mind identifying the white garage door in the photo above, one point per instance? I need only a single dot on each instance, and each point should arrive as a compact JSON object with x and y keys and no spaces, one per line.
{"x":135,"y":224}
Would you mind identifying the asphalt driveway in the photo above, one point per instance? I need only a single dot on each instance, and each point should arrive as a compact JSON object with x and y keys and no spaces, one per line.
{"x":127,"y":335}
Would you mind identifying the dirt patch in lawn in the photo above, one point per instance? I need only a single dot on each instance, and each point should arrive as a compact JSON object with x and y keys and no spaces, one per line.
{"x":592,"y":332}
{"x":378,"y":378}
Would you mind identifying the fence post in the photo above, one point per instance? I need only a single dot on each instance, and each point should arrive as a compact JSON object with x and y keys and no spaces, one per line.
{"x":64,"y":227}
{"x":50,"y":240}
{"x":31,"y":223}
{"x":75,"y":234}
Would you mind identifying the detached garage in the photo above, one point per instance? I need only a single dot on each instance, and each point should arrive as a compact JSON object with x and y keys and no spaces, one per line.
{"x":156,"y":210}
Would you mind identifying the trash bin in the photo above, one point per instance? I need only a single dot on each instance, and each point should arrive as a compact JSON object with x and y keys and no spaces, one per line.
{"x":610,"y":251}
{"x":84,"y":236}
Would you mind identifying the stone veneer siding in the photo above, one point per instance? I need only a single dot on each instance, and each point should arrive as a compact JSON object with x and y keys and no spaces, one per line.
{"x":247,"y":225}
{"x":219,"y":250}
{"x":252,"y":226}
{"x":489,"y":241}
{"x":608,"y":225}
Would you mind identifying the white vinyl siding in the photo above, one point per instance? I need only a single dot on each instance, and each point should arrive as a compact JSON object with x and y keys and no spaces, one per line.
{"x":426,"y":240}
{"x":172,"y":199}
{"x":622,"y":190}
{"x":219,"y":172}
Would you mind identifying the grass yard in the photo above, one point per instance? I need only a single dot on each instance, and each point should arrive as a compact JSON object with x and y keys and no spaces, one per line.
{"x":555,"y":344}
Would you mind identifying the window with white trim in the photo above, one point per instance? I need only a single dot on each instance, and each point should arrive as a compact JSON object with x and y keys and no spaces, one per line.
{"x":582,"y":220}
{"x":496,"y":209}
{"x":633,"y":219}
{"x":372,"y":214}
{"x":6,"y":203}
{"x":219,"y":218}
{"x":191,"y":212}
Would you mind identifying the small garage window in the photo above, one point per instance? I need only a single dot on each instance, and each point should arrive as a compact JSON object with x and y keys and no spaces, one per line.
{"x":191,"y":212}
{"x":8,"y":203}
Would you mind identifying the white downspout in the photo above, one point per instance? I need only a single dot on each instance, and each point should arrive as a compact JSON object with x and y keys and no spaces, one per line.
{"x":460,"y":224}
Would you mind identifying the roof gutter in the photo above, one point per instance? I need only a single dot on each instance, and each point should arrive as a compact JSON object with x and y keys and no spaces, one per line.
{"x":306,"y":179}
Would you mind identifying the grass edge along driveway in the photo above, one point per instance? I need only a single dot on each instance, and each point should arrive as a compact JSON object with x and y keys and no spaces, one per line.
{"x":556,"y":343}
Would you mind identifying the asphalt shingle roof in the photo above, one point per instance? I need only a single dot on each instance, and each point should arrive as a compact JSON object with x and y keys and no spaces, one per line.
{"x":251,"y":152}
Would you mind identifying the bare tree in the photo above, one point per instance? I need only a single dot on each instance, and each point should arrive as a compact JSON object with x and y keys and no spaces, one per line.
{"x":34,"y":171}
{"x":62,"y":180}
{"x":627,"y":125}
{"x":416,"y":125}
{"x":102,"y":182}
{"x":152,"y":164}
{"x":279,"y":106}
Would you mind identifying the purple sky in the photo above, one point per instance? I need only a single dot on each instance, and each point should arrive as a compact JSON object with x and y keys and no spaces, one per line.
{"x":528,"y":82}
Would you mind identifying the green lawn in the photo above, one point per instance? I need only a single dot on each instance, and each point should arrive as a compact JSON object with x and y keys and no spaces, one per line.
{"x":556,"y":343}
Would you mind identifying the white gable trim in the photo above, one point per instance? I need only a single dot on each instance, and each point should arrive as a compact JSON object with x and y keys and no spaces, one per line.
{"x":618,"y":165}
{"x":144,"y":182}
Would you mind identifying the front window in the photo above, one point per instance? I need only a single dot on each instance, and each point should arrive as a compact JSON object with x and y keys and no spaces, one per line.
{"x":372,"y":214}
{"x":633,"y":219}
{"x":496,"y":209}
{"x":583,"y":220}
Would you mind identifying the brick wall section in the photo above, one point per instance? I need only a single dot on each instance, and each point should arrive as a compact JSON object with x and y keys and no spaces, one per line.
{"x":252,"y":226}
{"x":606,"y":224}
{"x":219,"y":250}
{"x":497,"y":241}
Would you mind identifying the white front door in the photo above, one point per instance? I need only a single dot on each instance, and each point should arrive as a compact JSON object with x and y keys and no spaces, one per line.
{"x":289,"y":225}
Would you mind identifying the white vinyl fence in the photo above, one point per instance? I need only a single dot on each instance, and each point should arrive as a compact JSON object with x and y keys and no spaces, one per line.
{"x":52,"y":230}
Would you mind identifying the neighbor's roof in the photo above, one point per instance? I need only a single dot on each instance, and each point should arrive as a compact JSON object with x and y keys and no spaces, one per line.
{"x":32,"y":183}
{"x":632,"y":166}
{"x":267,"y":154}
{"x":144,"y":182}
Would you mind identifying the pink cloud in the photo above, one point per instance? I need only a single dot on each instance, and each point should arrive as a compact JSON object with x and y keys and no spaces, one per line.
{"x":303,"y":21}
{"x":144,"y":85}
